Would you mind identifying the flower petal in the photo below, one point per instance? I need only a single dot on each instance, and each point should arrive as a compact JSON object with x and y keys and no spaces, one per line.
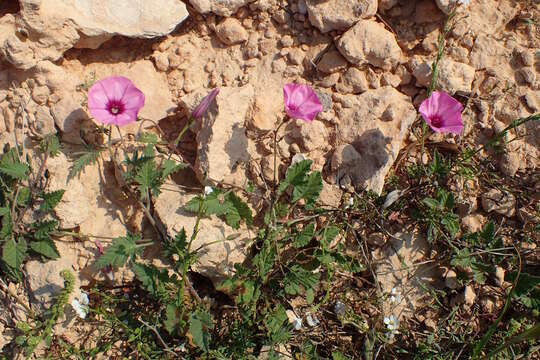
{"x":103,"y":116}
{"x":115,"y":86}
{"x":128,"y":116}
{"x":133,"y":98}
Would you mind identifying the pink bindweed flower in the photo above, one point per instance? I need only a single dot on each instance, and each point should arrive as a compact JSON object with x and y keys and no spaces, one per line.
{"x":442,"y":113}
{"x":115,"y":101}
{"x":205,"y":103}
{"x":301,"y":102}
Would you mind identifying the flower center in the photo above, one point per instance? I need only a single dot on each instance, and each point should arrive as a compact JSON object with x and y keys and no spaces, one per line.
{"x":436,"y":121}
{"x":115,"y":107}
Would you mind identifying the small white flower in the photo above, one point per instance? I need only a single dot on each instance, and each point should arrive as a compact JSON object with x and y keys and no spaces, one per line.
{"x":312,"y":320}
{"x":81,"y":306}
{"x":350,"y":203}
{"x":339,"y":308}
{"x":208,"y":190}
{"x":395,"y":296}
{"x":297,"y":323}
{"x":392,"y":324}
{"x":464,"y":2}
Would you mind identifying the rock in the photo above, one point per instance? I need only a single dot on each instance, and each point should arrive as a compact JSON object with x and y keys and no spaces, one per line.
{"x":230,"y":31}
{"x":499,"y":275}
{"x":353,"y":81}
{"x":44,"y":278}
{"x":69,"y":117}
{"x":427,"y":12}
{"x":328,"y":15}
{"x":503,"y":203}
{"x":446,"y":5}
{"x":309,"y":136}
{"x":469,"y":295}
{"x":217,"y":258}
{"x":488,"y":304}
{"x":450,"y":280}
{"x":488,"y":53}
{"x":473,"y":223}
{"x":387,"y":4}
{"x":372,"y":128}
{"x":332,"y":62}
{"x":40,"y":94}
{"x":161,"y":60}
{"x":527,"y":216}
{"x":368,"y":42}
{"x":453,"y":76}
{"x":509,"y":163}
{"x":219,"y":7}
{"x":43,"y":123}
{"x":221,"y":136}
{"x":58,"y":25}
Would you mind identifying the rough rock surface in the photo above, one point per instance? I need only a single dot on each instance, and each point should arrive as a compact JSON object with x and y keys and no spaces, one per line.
{"x":230,"y":32}
{"x":221,"y":136}
{"x":372,"y":127}
{"x":501,"y":202}
{"x":219,"y":7}
{"x":215,"y":260}
{"x":328,"y":15}
{"x":54,"y":26}
{"x":453,"y":76}
{"x":368,"y":42}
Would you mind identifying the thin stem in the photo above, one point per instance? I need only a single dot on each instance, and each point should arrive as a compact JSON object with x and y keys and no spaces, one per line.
{"x":155,"y":331}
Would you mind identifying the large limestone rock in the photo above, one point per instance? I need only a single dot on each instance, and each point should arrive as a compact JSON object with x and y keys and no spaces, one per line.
{"x":221,"y":136}
{"x":371,"y":130}
{"x":219,"y":7}
{"x":453,"y":76}
{"x":368,"y":42}
{"x":52,"y":27}
{"x":328,"y":15}
{"x":221,"y":246}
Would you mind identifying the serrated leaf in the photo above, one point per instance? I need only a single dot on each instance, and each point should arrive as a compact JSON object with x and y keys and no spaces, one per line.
{"x":304,"y":237}
{"x":44,"y":228}
{"x":51,"y":145}
{"x":87,"y":159}
{"x":297,"y":278}
{"x":199,"y":324}
{"x":308,"y":190}
{"x":4,"y":211}
{"x":46,"y":248}
{"x":23,"y":195}
{"x":147,"y":138}
{"x":153,"y":280}
{"x":119,"y":252}
{"x":148,"y":178}
{"x":15,"y":170}
{"x":50,"y":200}
{"x":431,"y":203}
{"x":172,"y":318}
{"x":328,"y":234}
{"x":526,"y":283}
{"x":14,"y":252}
{"x":170,"y":167}
{"x":276,"y":325}
{"x":295,"y":175}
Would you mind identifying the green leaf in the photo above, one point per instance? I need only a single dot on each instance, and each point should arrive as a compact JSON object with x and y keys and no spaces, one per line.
{"x":15,"y":170}
{"x":148,"y":178}
{"x":431,"y":203}
{"x":297,"y":278}
{"x":305,"y":236}
{"x":276,"y":325}
{"x":170,"y":167}
{"x":336,"y":355}
{"x":4,"y":211}
{"x":14,"y":252}
{"x":148,"y":138}
{"x":199,"y":324}
{"x":44,"y":228}
{"x":526,"y":283}
{"x":50,"y":200}
{"x":172,"y":318}
{"x":90,"y":157}
{"x":308,"y":190}
{"x":23,"y":196}
{"x":46,"y":248}
{"x":328,"y":234}
{"x":51,"y":145}
{"x":119,"y":252}
{"x":153,"y":280}
{"x":295,"y":175}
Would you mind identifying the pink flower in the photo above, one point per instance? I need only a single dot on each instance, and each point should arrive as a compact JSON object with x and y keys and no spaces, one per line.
{"x":115,"y":101}
{"x":205,"y":103}
{"x":301,"y":102}
{"x":442,"y":113}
